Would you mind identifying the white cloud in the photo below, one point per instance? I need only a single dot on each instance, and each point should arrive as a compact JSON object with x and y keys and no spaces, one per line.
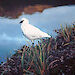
{"x":5,"y":37}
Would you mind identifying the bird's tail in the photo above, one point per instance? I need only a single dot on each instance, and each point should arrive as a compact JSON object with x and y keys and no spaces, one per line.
{"x":46,"y":35}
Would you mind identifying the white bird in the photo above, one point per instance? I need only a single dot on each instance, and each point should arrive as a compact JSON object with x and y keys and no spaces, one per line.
{"x":30,"y":31}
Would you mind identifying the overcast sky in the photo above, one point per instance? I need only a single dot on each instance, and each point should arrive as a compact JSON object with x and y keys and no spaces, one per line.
{"x":10,"y":32}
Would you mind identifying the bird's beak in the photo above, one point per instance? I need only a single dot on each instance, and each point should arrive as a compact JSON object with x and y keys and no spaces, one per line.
{"x":21,"y":21}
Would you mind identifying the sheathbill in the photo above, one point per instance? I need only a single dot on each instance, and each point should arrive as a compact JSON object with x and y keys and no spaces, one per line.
{"x":32,"y":32}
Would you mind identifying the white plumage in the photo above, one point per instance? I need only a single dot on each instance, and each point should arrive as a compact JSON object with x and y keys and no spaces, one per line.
{"x":30,"y":31}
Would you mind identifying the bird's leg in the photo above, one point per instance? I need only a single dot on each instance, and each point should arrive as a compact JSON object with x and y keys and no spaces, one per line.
{"x":32,"y":47}
{"x":28,"y":43}
{"x":32,"y":43}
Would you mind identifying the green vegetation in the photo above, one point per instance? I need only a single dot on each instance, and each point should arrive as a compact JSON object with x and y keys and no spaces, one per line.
{"x":37,"y":56}
{"x":49,"y":56}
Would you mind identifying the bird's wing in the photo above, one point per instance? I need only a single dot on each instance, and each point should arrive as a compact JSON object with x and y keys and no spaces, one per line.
{"x":34,"y":32}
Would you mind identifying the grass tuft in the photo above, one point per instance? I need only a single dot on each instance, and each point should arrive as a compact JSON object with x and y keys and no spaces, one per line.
{"x":48,"y":57}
